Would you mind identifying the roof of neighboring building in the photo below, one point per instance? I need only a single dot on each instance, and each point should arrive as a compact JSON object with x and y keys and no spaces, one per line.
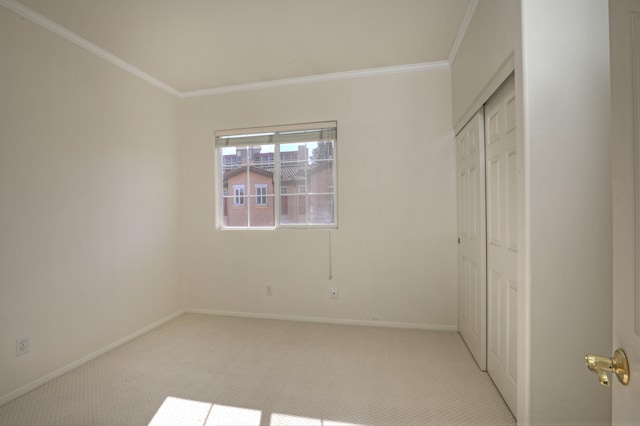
{"x":288,"y":173}
{"x":291,"y":173}
{"x":252,"y":169}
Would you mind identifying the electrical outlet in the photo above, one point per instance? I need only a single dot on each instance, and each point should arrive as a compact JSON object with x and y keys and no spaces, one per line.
{"x":268,"y":290}
{"x":334,"y":293}
{"x":22,"y":346}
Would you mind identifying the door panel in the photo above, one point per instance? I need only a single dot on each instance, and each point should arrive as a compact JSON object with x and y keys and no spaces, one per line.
{"x":512,"y":349}
{"x":625,"y":90}
{"x":472,"y":292}
{"x":502,"y":241}
{"x":496,"y":317}
{"x":493,"y":205}
{"x":512,"y":202}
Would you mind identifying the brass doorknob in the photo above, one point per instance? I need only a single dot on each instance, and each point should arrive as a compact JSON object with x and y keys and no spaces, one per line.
{"x":618,"y":364}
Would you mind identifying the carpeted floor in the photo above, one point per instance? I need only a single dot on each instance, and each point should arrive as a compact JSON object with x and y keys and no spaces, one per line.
{"x":211,"y":370}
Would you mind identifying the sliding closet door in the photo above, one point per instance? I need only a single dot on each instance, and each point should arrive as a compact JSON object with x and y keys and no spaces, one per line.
{"x":502,"y":243}
{"x":472,"y":291}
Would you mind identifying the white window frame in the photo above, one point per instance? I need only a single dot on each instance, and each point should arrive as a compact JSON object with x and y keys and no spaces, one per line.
{"x":261,"y":194}
{"x":264,"y":133}
{"x":242,"y":197}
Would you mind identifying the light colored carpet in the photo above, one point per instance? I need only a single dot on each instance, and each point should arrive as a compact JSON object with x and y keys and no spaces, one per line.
{"x":208,"y":370}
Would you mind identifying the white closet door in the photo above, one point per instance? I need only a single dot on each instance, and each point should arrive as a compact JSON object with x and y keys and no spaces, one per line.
{"x":502,"y":243}
{"x":472,"y":286}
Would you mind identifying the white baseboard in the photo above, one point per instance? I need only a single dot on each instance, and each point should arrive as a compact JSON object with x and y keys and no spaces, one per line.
{"x":340,"y":321}
{"x":39,"y":382}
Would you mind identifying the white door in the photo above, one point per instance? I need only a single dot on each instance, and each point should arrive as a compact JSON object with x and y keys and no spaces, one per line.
{"x":502,"y":243}
{"x":472,"y":293}
{"x":625,"y":89}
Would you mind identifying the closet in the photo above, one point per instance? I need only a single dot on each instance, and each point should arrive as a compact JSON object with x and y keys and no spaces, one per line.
{"x":487,"y":238}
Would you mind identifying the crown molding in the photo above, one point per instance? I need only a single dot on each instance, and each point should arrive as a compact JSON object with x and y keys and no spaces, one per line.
{"x":74,"y":38}
{"x":464,"y":25}
{"x":437,"y":65}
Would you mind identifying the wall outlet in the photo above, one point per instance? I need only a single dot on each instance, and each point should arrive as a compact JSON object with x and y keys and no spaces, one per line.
{"x":22,"y":346}
{"x":268,"y":290}
{"x":334,"y":293}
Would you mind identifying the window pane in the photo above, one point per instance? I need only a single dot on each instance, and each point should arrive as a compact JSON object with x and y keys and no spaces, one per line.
{"x":294,"y":160}
{"x":262,"y":201}
{"x":320,"y":209}
{"x":289,"y":211}
{"x":307,"y":209}
{"x":237,"y":215}
{"x":263,"y":215}
{"x":295,"y":211}
{"x":320,"y":178}
{"x":284,"y":207}
{"x":294,"y":154}
{"x":233,"y":157}
{"x":322,"y":150}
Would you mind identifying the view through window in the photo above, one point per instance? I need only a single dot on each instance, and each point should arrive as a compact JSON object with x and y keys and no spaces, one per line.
{"x":296,"y":162}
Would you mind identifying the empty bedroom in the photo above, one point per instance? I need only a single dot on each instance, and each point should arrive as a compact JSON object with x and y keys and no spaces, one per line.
{"x":292,"y":212}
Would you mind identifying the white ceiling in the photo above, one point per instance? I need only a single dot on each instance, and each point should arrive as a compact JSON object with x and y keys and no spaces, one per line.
{"x":202,"y":44}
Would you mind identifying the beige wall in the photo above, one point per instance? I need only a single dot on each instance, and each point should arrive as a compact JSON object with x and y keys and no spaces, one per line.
{"x":485,"y":57}
{"x":395,"y":148}
{"x":88,"y":187}
{"x":566,"y":96}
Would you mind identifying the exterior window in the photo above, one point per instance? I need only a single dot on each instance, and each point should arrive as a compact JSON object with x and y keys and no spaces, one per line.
{"x":302,"y":198}
{"x":261,"y":194}
{"x":290,"y":170}
{"x":284,"y":200}
{"x":238,"y":195}
{"x":225,"y":201}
